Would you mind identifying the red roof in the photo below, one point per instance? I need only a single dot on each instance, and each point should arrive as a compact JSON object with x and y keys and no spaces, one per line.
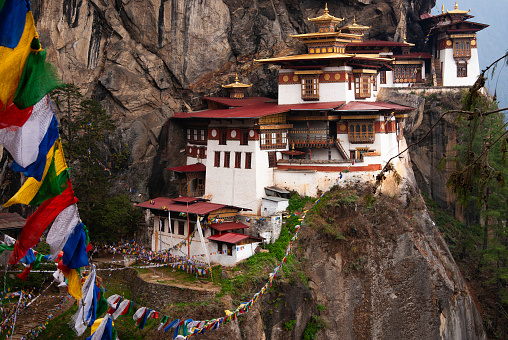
{"x":200,"y":206}
{"x":257,"y":111}
{"x":232,"y":102}
{"x":198,"y":167}
{"x":232,"y":238}
{"x":426,"y":16}
{"x":414,"y":55}
{"x":373,"y":106}
{"x":228,"y":226}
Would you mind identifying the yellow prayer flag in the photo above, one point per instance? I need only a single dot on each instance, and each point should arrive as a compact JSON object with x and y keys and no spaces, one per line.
{"x":30,"y":188}
{"x":13,"y":61}
{"x":74,"y":285}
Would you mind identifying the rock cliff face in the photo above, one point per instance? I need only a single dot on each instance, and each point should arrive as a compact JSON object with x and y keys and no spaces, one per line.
{"x":145,"y":60}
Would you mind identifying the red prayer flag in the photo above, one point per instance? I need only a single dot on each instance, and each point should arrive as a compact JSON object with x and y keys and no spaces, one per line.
{"x":24,"y":274}
{"x":12,"y":117}
{"x":39,"y":221}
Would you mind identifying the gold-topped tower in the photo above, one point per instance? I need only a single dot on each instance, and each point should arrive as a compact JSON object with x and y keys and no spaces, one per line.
{"x":457,"y":10}
{"x":326,"y":22}
{"x":354,"y":28}
{"x":236,"y":89}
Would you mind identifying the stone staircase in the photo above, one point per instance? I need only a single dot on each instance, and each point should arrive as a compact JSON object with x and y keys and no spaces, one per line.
{"x":438,"y":73}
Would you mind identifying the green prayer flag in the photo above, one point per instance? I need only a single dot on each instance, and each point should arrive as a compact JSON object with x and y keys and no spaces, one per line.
{"x":52,"y":185}
{"x":37,"y":80}
{"x":38,"y":259}
{"x":4,"y":247}
{"x":102,"y":304}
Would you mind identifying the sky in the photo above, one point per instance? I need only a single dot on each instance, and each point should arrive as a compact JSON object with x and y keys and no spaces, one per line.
{"x":492,"y":41}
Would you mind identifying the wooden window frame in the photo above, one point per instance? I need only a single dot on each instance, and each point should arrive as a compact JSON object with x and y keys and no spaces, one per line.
{"x":219,"y":247}
{"x":363,"y":86}
{"x":361,"y":132}
{"x":272,"y":159}
{"x":217,"y":159}
{"x":248,"y":160}
{"x":310,"y":87}
{"x":244,"y":139}
{"x":181,"y":228}
{"x":382,"y":77}
{"x":223,"y":136}
{"x":461,"y":70}
{"x":462,"y":48}
{"x":273,"y":139}
{"x":238,"y":160}
{"x":227,"y":159}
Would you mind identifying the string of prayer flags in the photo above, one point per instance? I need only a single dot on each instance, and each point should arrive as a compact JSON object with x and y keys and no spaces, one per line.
{"x":142,"y":314}
{"x":13,"y":60}
{"x":39,"y":221}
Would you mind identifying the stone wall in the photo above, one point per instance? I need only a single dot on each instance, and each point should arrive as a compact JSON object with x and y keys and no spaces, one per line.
{"x":157,"y":295}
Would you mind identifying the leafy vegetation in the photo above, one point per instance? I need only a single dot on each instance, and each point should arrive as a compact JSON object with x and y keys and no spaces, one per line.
{"x":84,"y":126}
{"x":313,"y":327}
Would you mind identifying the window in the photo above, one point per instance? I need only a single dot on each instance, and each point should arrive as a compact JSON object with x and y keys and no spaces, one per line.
{"x":238,"y":160}
{"x":223,"y":136}
{"x":217,"y":159}
{"x":181,"y":228}
{"x":230,"y":249}
{"x":461,"y":69}
{"x":227,"y":159}
{"x":362,"y":86}
{"x":462,"y":49}
{"x":219,"y":247}
{"x":245,"y":137}
{"x":272,"y":159}
{"x":196,"y":136}
{"x":374,"y":83}
{"x":350,"y":80}
{"x":161,"y":224}
{"x":361,"y":132}
{"x":248,"y":160}
{"x":310,"y":88}
{"x":382,"y":77}
{"x":273,"y":139}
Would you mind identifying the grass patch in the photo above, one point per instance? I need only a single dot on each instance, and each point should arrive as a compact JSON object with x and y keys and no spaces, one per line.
{"x":315,"y":324}
{"x":288,"y":326}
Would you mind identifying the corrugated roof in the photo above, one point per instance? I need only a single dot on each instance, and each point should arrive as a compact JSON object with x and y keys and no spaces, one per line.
{"x":228,"y":226}
{"x":11,"y":221}
{"x":232,"y":102}
{"x":275,"y":199}
{"x":257,"y":111}
{"x":232,"y":238}
{"x":198,"y":167}
{"x":373,"y":106}
{"x":170,"y":204}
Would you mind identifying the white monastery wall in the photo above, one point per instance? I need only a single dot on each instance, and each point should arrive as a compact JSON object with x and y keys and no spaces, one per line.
{"x":450,"y":68}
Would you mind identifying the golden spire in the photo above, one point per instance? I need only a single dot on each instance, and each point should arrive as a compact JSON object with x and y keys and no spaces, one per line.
{"x":442,"y":8}
{"x":457,"y":10}
{"x":236,"y":84}
{"x":236,"y":78}
{"x":354,"y":19}
{"x":456,"y":5}
{"x":325,"y":18}
{"x":326,"y":8}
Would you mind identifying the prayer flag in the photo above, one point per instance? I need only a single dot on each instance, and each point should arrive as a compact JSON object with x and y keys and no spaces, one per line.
{"x":36,"y":169}
{"x":75,"y":249}
{"x":37,"y":80}
{"x":62,"y":228}
{"x":13,"y":118}
{"x":23,"y":143}
{"x":13,"y":61}
{"x":12,"y":22}
{"x":81,"y":320}
{"x":39,"y":221}
{"x":31,"y":186}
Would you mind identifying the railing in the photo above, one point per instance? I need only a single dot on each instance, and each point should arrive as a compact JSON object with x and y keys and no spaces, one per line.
{"x":316,"y":141}
{"x":361,"y":137}
{"x":341,"y":149}
{"x":462,"y":53}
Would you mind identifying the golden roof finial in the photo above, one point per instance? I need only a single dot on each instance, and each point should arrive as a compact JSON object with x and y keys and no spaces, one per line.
{"x":326,"y":7}
{"x":442,"y":8}
{"x":354,"y":19}
{"x":236,"y":78}
{"x":404,"y":36}
{"x":456,"y":5}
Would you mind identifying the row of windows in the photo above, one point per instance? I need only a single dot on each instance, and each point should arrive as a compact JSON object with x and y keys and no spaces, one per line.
{"x":238,"y":160}
{"x":196,"y":135}
{"x":223,"y":137}
{"x":178,"y":227}
{"x":310,"y":86}
{"x":361,"y":132}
